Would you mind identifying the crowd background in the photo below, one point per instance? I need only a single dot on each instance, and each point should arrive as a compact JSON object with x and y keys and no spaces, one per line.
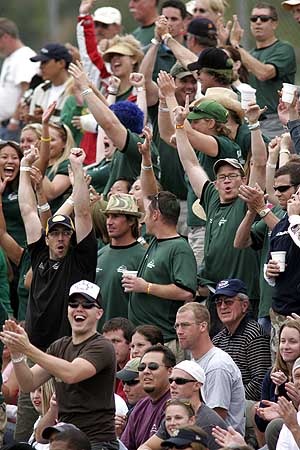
{"x":53,"y":21}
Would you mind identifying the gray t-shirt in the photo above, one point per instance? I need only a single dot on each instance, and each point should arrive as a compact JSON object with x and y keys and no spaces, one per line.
{"x":206,"y":418}
{"x":223,"y":387}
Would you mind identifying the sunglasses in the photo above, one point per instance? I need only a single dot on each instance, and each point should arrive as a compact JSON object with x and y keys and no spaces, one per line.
{"x":85,"y":305}
{"x":226,"y":301}
{"x":283,"y":188}
{"x":131,"y":382}
{"x":180,"y":381}
{"x":150,"y":365}
{"x":262,"y":18}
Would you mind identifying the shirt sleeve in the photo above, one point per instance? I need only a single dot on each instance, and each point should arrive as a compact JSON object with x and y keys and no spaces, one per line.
{"x":218,"y":389}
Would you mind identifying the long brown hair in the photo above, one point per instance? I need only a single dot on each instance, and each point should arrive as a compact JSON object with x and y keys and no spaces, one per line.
{"x":280,"y":364}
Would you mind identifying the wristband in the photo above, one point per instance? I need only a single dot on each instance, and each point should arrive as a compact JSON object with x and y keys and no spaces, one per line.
{"x":45,"y":139}
{"x":155,"y":41}
{"x":25,"y":169}
{"x":254,"y":126}
{"x":112,"y":91}
{"x":179,"y":126}
{"x":18,"y":360}
{"x":86,"y":92}
{"x":70,"y":201}
{"x":161,"y":109}
{"x":148,"y":288}
{"x":146,"y":167}
{"x":272,"y":166}
{"x":43,"y":208}
{"x":165,"y":37}
{"x":285,"y":150}
{"x":140,"y":88}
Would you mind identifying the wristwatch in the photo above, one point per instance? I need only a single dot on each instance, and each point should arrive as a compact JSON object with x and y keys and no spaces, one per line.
{"x":263,"y":212}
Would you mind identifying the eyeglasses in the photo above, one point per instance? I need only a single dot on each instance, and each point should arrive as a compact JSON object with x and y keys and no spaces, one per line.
{"x":150,"y":365}
{"x":200,"y":10}
{"x":226,"y":301}
{"x":85,"y":305}
{"x":230,"y":176}
{"x":262,"y":17}
{"x":56,"y":233}
{"x":131,"y":382}
{"x":180,"y":381}
{"x":283,"y":188}
{"x":184,"y":325}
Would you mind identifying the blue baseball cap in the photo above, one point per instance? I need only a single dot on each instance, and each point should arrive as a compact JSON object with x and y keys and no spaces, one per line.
{"x":230,"y":287}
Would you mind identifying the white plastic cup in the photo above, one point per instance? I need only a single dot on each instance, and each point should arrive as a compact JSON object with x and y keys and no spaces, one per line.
{"x":129,"y":273}
{"x":279,"y":257}
{"x":288,"y":91}
{"x":248,"y":96}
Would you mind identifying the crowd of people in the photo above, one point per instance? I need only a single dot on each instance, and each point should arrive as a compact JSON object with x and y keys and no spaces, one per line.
{"x":149,"y":233}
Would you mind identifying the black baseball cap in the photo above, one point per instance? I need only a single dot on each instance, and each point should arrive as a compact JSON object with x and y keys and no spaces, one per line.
{"x":214,"y":59}
{"x":53,"y":51}
{"x":202,"y":27}
{"x":59,"y":219}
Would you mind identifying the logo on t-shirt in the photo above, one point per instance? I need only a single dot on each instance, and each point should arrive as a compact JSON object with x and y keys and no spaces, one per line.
{"x":151,"y":264}
{"x":222,"y":221}
{"x":13,"y":196}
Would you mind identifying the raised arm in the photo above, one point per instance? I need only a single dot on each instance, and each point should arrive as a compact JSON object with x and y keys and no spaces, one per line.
{"x":148,"y":180}
{"x":273,"y":150}
{"x":147,"y":67}
{"x":43,"y":161}
{"x":182,"y":54}
{"x":83,"y":218}
{"x":137,"y":80}
{"x":104,"y":116}
{"x":27,"y":200}
{"x":195,"y":172}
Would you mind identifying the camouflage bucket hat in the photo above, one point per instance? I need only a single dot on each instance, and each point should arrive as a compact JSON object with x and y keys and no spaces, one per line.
{"x":122,"y":204}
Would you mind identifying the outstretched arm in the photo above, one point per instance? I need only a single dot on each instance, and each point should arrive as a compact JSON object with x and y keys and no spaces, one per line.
{"x":148,"y":180}
{"x":27,"y":200}
{"x":81,"y":198}
{"x":104,"y":116}
{"x":195,"y":172}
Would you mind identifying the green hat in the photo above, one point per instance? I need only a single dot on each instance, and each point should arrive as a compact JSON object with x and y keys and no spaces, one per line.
{"x":130,"y":371}
{"x":122,"y":204}
{"x":209,"y":109}
{"x":178,"y":71}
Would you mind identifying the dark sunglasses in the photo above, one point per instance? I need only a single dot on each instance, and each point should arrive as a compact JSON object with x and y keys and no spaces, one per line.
{"x":262,"y":17}
{"x":131,"y":382}
{"x":150,"y":365}
{"x":226,"y":301}
{"x":85,"y":305}
{"x":180,"y":381}
{"x":283,"y":188}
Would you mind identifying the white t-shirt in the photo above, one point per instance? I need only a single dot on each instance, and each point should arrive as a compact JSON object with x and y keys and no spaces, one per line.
{"x":223,"y":387}
{"x":16,"y":69}
{"x":286,"y":440}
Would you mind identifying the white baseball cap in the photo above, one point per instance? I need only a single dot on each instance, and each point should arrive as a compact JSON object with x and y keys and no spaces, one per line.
{"x":288,"y":4}
{"x":107,"y":15}
{"x":88,"y":290}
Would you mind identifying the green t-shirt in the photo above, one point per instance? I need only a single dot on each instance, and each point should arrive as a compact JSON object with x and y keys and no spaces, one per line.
{"x":100,"y":175}
{"x":282,"y":56}
{"x":221,"y":259}
{"x":260,"y":235}
{"x":167,"y":261}
{"x":111,"y":263}
{"x":127,"y":162}
{"x":144,"y":34}
{"x":14,"y":222}
{"x":61,"y":170}
{"x":227,"y":149}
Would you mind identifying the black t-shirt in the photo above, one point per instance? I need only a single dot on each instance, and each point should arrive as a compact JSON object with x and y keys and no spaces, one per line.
{"x":90,"y":403}
{"x":46,"y":316}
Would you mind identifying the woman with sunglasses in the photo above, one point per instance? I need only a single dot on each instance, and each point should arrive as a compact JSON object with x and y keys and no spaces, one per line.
{"x":278,"y":380}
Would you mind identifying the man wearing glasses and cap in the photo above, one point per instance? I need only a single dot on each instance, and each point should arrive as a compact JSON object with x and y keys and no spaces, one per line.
{"x":82,"y":366}
{"x":186,"y":382}
{"x":271,"y":63}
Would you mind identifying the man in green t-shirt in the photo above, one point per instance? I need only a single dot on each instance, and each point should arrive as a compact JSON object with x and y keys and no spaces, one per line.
{"x":145,"y":13}
{"x":271,"y":63}
{"x":123,"y":254}
{"x":167,"y":274}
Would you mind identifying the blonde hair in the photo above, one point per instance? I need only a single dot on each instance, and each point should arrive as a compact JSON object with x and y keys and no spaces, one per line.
{"x":200,"y":312}
{"x":67,"y":137}
{"x":130,"y":42}
{"x":47,"y":390}
{"x":35,"y":127}
{"x":218,"y":6}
